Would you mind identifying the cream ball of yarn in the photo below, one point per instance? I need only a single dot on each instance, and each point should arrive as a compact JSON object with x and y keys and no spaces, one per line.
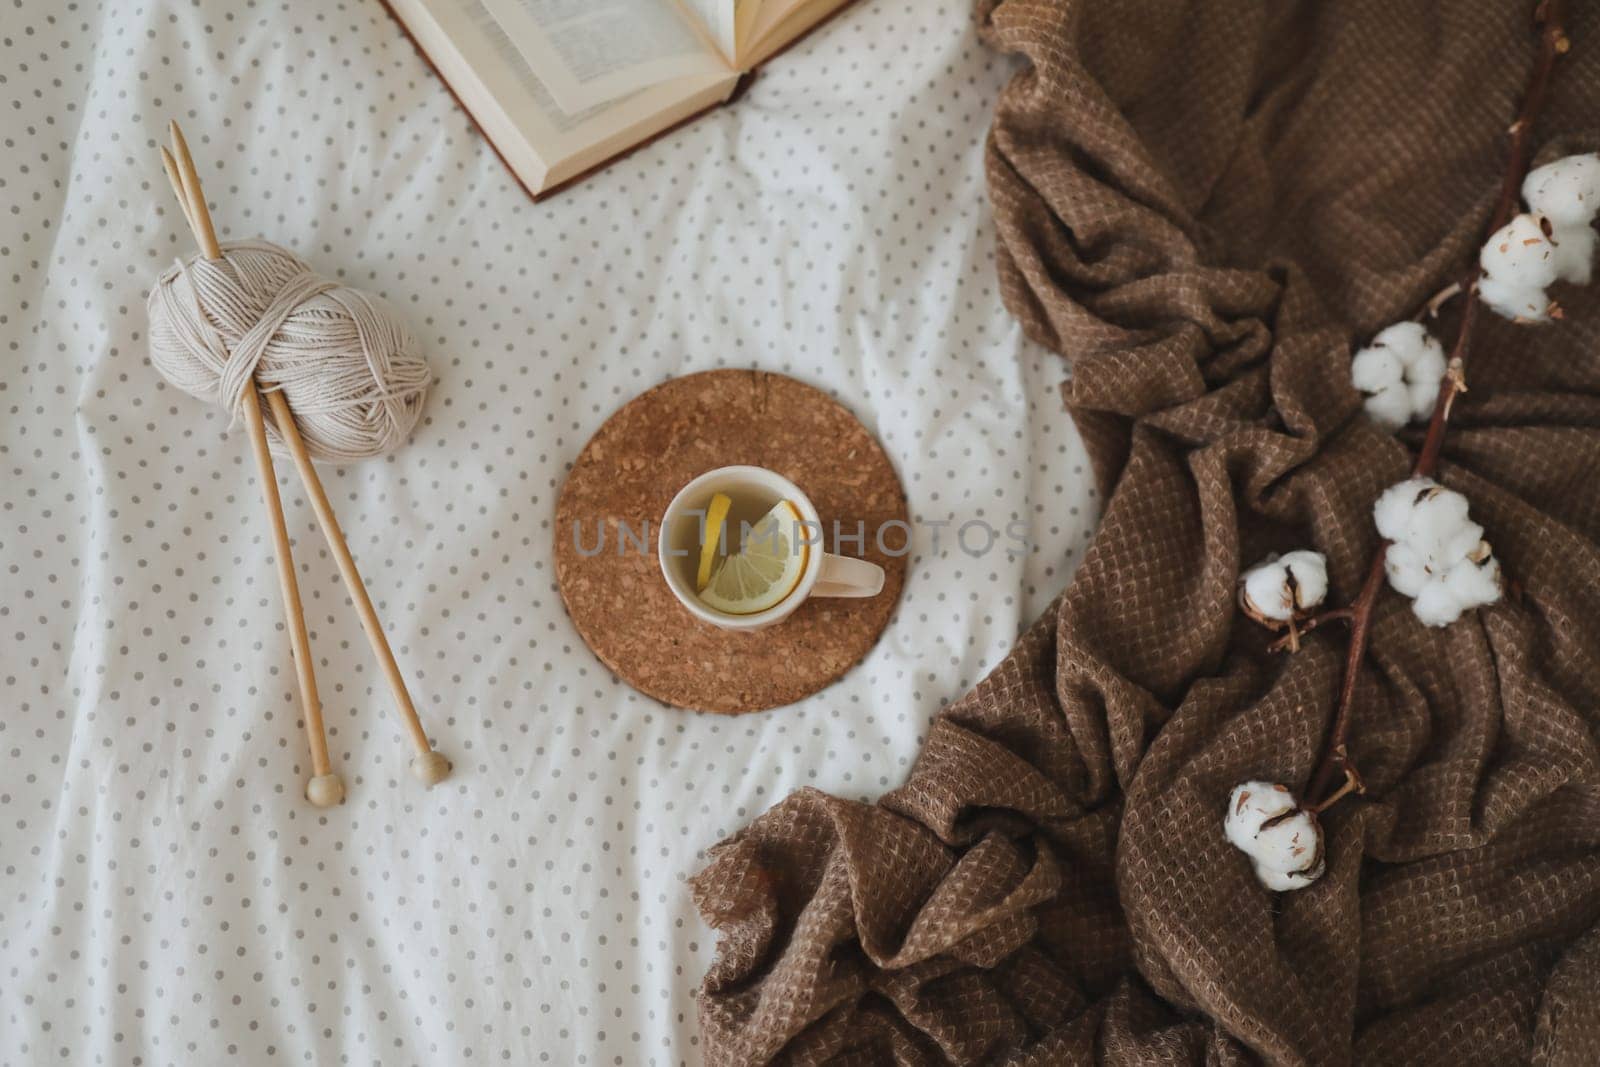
{"x":343,"y":359}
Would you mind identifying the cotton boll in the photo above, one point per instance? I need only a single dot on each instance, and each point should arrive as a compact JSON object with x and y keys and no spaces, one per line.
{"x":1406,"y":339}
{"x":1437,"y":555}
{"x":1379,"y":372}
{"x":1287,"y":881}
{"x":1421,"y":396}
{"x":1403,"y":365}
{"x":1310,"y":573}
{"x":1249,"y":806}
{"x":1283,"y":841}
{"x":1392,"y":512}
{"x":1278,"y":589}
{"x":1407,"y":569}
{"x":1428,"y":364}
{"x":1424,"y":370}
{"x":1390,"y":407}
{"x":1436,"y":605}
{"x":1440,"y":530}
{"x":1519,"y":261}
{"x":1290,"y":845}
{"x":1265,"y":594}
{"x":1520,"y":253}
{"x":1458,"y":546}
{"x":1575,"y":253}
{"x":1376,"y":368}
{"x":1567,"y":189}
{"x":1437,"y":516}
{"x":1474,"y":583}
{"x":1515,"y":302}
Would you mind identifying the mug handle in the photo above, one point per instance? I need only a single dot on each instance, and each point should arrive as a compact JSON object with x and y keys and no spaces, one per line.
{"x":847,"y":576}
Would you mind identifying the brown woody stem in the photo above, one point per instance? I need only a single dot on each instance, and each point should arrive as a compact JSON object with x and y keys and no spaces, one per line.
{"x":1550,"y":19}
{"x":1352,"y":784}
{"x":1438,"y":300}
{"x":1298,"y":628}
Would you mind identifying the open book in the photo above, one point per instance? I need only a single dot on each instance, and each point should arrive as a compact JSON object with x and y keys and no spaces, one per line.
{"x":560,"y":86}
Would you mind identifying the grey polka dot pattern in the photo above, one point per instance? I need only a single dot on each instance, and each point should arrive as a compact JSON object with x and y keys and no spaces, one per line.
{"x":166,"y":895}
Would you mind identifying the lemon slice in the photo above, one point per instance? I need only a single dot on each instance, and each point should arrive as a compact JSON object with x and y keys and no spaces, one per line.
{"x":716,"y":516}
{"x":766,"y":568}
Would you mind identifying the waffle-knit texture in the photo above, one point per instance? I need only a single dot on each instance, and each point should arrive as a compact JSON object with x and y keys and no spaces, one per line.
{"x":1203,"y":206}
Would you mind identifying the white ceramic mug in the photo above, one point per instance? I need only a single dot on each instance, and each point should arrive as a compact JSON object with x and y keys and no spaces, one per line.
{"x":678,"y":545}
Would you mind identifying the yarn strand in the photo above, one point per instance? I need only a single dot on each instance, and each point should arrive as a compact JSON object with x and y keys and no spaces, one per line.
{"x":341,"y":358}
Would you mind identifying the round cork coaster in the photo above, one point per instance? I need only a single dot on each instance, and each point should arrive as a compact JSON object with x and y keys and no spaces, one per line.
{"x":631,"y":469}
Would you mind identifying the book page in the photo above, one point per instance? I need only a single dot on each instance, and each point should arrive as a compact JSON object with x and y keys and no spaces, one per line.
{"x":542,"y":142}
{"x":745,"y":16}
{"x":546,"y":113}
{"x":766,"y":20}
{"x":590,"y":52}
{"x":720,"y":18}
{"x":777,"y":22}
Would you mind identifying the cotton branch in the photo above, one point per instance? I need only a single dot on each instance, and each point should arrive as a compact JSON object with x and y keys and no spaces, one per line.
{"x":1336,"y":765}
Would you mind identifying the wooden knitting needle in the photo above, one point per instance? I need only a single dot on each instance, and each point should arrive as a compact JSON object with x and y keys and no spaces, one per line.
{"x":325,"y":788}
{"x":427,"y":765}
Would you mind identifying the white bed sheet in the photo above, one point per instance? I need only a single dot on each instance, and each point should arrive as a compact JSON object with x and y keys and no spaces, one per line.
{"x":166,"y":896}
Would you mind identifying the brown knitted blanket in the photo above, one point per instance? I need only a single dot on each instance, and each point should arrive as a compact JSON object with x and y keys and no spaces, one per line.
{"x":1201,"y":206}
